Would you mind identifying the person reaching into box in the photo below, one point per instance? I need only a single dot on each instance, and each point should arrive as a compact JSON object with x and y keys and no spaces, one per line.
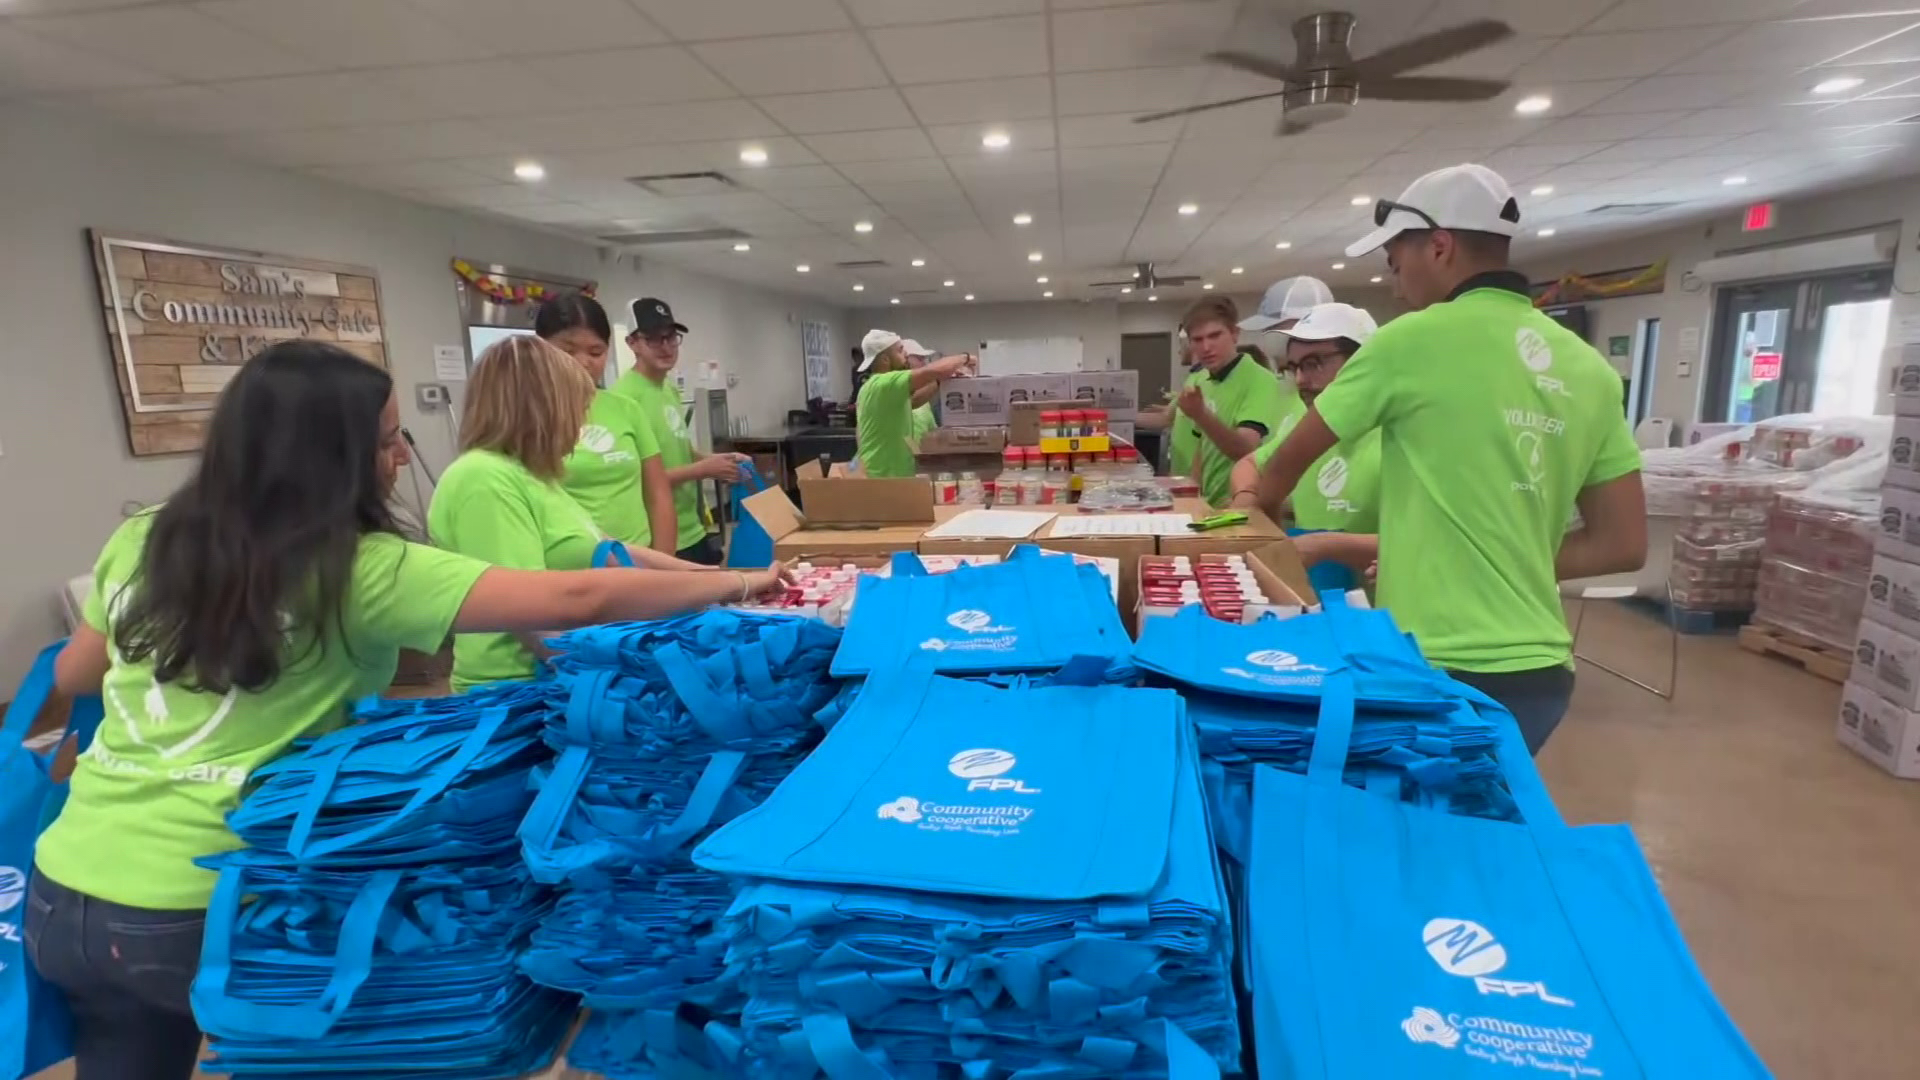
{"x":1231,"y":401}
{"x":1495,"y":423}
{"x":885,"y":403}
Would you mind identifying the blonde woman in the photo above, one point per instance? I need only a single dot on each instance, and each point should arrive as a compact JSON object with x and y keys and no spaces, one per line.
{"x":501,"y":501}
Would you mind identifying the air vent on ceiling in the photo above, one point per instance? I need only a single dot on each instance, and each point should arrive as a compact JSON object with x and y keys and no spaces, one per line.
{"x":678,"y":185}
{"x":674,"y":236}
{"x":861,"y":264}
{"x":919,"y":292}
{"x":1635,"y":209}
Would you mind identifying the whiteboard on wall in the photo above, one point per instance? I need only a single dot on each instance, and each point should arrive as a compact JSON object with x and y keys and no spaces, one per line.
{"x":1030,"y":356}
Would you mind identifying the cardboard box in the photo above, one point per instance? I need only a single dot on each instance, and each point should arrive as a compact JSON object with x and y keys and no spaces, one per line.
{"x":1121,"y":431}
{"x":1276,"y":566}
{"x":842,"y":499}
{"x":1118,"y":392}
{"x":1054,"y":388}
{"x":1258,"y":532}
{"x":1903,"y":382}
{"x":1903,"y":454}
{"x":1023,"y":423}
{"x":1899,"y":533}
{"x":1893,"y":594}
{"x":798,"y":537}
{"x":962,"y":440}
{"x":973,"y":402}
{"x":1888,"y":662}
{"x":1880,"y":731}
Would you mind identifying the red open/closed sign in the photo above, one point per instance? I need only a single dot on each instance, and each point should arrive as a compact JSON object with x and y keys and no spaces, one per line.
{"x":1766,"y":366}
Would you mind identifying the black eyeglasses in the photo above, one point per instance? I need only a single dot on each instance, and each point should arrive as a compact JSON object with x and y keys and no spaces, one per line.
{"x":1384,"y":208}
{"x":1311,"y":363}
{"x":661,"y":341}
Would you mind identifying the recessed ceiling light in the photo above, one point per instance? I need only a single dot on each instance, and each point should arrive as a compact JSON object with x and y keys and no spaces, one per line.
{"x":1152,"y":297}
{"x":893,"y":300}
{"x":969,"y":296}
{"x":1339,"y":266}
{"x":996,"y":140}
{"x":1543,"y":190}
{"x":743,"y":246}
{"x":1837,"y":85}
{"x":948,"y":283}
{"x":1284,"y":245}
{"x":753,"y":155}
{"x":1207,"y":285}
{"x":803,"y":268}
{"x":863,"y":226}
{"x":1034,"y":256}
{"x":1534,"y":105}
{"x":1126,"y":288}
{"x":1360,"y":200}
{"x":1376,"y":279}
{"x":1238,"y":270}
{"x":1548,"y":232}
{"x":1734,"y":181}
{"x":919,"y":262}
{"x":1023,"y":219}
{"x":859,"y":287}
{"x":530,"y":171}
{"x":1048,"y":293}
{"x":1189,"y":209}
{"x":1041,"y":280}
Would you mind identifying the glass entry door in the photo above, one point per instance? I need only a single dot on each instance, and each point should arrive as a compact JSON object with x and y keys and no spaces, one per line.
{"x":1808,"y":345}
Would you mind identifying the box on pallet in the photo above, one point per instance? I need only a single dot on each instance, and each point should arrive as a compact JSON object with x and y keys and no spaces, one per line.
{"x":1903,"y":454}
{"x":1899,"y":534}
{"x":1118,"y":392}
{"x":1888,"y":661}
{"x":1893,"y":594}
{"x":1879,"y":730}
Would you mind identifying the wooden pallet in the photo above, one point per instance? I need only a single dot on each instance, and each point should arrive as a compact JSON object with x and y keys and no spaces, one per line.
{"x":1688,"y":620}
{"x":1823,"y":660}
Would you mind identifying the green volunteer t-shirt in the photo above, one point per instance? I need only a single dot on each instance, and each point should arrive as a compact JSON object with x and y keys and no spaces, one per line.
{"x":1492,"y":418}
{"x":489,"y":507}
{"x":923,"y":420}
{"x":885,"y":410}
{"x":1246,"y":394}
{"x":660,"y":403}
{"x":153,"y":791}
{"x":603,"y":472}
{"x":1341,"y":491}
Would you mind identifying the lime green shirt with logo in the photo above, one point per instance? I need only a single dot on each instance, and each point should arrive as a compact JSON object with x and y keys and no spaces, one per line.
{"x":489,"y":507}
{"x":1246,"y":394}
{"x":1492,"y":419}
{"x":153,"y":791}
{"x":1341,"y":492}
{"x":885,"y":409}
{"x":661,"y":406}
{"x":603,"y":472}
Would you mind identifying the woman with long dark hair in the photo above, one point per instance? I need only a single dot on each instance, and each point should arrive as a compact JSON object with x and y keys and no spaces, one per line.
{"x":616,"y":470}
{"x":249,"y":610}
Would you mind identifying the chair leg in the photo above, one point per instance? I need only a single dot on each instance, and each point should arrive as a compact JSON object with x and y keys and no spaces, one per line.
{"x":1673,"y":653}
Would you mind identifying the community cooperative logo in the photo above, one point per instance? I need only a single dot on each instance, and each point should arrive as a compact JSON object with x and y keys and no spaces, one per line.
{"x":984,"y":769}
{"x":1467,"y":950}
{"x":982,"y":634}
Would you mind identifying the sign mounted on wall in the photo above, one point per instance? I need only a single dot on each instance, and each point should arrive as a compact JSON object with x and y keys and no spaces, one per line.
{"x":1766,"y":366}
{"x":1758,"y":217}
{"x":181,"y":320}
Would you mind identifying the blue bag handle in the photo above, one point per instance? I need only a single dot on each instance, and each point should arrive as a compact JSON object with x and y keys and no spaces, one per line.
{"x":611,"y":552}
{"x":906,"y":564}
{"x":352,"y":964}
{"x":750,"y":481}
{"x":34,"y":693}
{"x":300,"y":842}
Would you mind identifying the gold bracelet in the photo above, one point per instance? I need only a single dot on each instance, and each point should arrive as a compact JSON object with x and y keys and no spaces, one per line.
{"x":743,"y":585}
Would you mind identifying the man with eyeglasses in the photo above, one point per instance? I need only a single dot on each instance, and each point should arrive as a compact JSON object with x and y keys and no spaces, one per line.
{"x":1495,"y":424}
{"x":655,"y":342}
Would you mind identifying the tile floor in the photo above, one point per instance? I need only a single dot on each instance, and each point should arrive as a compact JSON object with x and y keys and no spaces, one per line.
{"x":1792,"y":865}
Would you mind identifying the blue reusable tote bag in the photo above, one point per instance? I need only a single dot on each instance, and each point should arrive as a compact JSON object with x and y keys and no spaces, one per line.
{"x":35,"y":1030}
{"x":1289,"y":660}
{"x":748,"y":546}
{"x":1392,"y":940}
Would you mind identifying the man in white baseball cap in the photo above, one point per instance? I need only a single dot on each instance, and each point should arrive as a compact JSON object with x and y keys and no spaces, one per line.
{"x":884,"y":406}
{"x":1495,"y":422}
{"x":1286,"y":302}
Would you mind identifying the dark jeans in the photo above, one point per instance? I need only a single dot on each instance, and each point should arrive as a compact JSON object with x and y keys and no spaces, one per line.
{"x":1537,"y":699}
{"x":126,"y":972}
{"x":707,"y":552}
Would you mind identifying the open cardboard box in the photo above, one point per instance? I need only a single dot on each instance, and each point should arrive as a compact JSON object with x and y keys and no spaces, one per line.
{"x":841,"y":499}
{"x":798,"y":536}
{"x":1280,"y":573}
{"x":1255,"y":535}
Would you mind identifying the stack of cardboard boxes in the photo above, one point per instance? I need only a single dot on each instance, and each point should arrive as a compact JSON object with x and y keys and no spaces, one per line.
{"x":1880,"y":707}
{"x":988,"y":401}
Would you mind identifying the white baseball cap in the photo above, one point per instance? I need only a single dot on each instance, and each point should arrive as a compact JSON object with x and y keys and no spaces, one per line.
{"x":1468,"y":198}
{"x":1330,"y":321}
{"x":1287,"y":299}
{"x":875,"y":343}
{"x":914,"y":348}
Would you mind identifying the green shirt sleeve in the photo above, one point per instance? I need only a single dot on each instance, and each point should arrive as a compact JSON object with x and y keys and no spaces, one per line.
{"x":1618,"y":456}
{"x":1368,"y":391}
{"x":408,"y":595}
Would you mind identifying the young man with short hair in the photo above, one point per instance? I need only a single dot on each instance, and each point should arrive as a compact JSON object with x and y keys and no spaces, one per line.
{"x":884,"y":407}
{"x":1495,"y":423}
{"x":1232,"y":401}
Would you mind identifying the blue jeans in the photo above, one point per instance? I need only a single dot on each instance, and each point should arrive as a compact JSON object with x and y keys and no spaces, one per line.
{"x":126,"y":973}
{"x":1537,"y":699}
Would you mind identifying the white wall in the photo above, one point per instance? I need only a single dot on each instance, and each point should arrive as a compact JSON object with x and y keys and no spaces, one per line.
{"x":65,"y":471}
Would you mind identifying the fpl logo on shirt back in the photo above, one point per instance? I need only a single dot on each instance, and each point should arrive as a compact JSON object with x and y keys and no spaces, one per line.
{"x":1537,"y":356}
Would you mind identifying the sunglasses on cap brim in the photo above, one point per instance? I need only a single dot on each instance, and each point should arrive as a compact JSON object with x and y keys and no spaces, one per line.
{"x":1384,"y":208}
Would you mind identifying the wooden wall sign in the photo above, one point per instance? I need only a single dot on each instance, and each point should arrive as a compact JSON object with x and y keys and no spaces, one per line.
{"x":181,"y":320}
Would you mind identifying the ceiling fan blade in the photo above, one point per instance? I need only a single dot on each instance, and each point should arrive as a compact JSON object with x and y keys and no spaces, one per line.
{"x":1290,"y":126}
{"x":1415,"y":88}
{"x":1258,"y":65}
{"x":1151,"y":117}
{"x":1431,"y":49}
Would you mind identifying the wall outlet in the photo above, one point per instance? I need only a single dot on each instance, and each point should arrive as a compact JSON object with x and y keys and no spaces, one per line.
{"x":430,"y":396}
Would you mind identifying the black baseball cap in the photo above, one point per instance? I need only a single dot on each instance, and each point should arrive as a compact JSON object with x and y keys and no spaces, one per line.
{"x":652,"y":317}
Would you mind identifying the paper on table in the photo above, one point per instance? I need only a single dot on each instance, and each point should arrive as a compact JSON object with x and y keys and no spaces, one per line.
{"x":991,"y":525}
{"x":1122,"y":525}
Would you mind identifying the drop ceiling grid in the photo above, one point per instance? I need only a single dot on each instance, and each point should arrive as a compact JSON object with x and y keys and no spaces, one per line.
{"x":1655,"y":100}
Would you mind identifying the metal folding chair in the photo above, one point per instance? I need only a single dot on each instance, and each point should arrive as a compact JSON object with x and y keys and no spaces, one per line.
{"x":1598,"y":591}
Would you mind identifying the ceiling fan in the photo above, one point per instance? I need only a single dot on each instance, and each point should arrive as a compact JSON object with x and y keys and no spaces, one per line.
{"x":1324,"y":81}
{"x":1146,"y":277}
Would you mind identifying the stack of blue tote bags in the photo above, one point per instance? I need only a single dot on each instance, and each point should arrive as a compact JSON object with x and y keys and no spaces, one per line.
{"x":1389,"y":938}
{"x":969,"y":879}
{"x":664,"y":729}
{"x":372,"y":926}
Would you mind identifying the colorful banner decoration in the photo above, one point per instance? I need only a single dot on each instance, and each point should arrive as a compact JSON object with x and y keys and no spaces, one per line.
{"x":501,"y":291}
{"x":1574,"y":288}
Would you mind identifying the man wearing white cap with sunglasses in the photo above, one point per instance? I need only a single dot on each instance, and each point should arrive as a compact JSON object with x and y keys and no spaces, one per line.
{"x":884,"y":407}
{"x":1495,"y":423}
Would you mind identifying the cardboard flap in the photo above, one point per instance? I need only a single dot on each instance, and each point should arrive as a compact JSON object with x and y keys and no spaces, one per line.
{"x":1280,"y":562}
{"x":774,"y":512}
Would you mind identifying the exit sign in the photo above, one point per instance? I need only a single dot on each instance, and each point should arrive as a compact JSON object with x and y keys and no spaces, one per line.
{"x":1759,"y":216}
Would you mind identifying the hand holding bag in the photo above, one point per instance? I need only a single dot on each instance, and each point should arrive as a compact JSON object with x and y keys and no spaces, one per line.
{"x":748,"y":546}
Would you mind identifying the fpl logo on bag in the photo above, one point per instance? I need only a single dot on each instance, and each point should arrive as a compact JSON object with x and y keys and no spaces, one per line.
{"x":1282,"y":669}
{"x":982,"y":634}
{"x":985,"y":770}
{"x":13,"y":888}
{"x":1468,"y":950}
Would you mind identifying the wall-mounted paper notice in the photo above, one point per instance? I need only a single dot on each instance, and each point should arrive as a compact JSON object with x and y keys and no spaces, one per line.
{"x":449,"y":363}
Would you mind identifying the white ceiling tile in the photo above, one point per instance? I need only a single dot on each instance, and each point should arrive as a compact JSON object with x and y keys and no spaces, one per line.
{"x":1140,"y":91}
{"x":1707,"y":122}
{"x":840,"y":196}
{"x":198,"y":109}
{"x":913,"y":193}
{"x":838,"y":110}
{"x":1868,"y":111}
{"x":1148,"y":35}
{"x":1135,"y":159}
{"x":350,"y":33}
{"x":893,"y":144}
{"x":42,"y":65}
{"x":334,"y":99}
{"x":1895,"y":48}
{"x":1604,"y":128}
{"x":960,"y":139}
{"x":982,"y":100}
{"x":586,"y":129}
{"x":790,"y":177}
{"x":1500,"y":61}
{"x":698,"y":20}
{"x":1662,"y":14}
{"x":1572,"y":174}
{"x":1009,"y":163}
{"x":1783,"y":46}
{"x":1114,"y":129}
{"x":952,"y":52}
{"x":55,"y":7}
{"x":179,"y":42}
{"x":1525,"y":16}
{"x":1661,"y":149}
{"x":895,"y":12}
{"x":514,"y":91}
{"x":428,"y":141}
{"x":419,"y":176}
{"x":905,"y":171}
{"x":1662,"y":93}
{"x":1614,"y":56}
{"x":796,"y":64}
{"x":646,"y":76}
{"x":504,"y":27}
{"x":1531,"y":155}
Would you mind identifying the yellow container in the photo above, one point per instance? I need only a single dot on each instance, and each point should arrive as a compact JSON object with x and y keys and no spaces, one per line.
{"x":1084,"y":444}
